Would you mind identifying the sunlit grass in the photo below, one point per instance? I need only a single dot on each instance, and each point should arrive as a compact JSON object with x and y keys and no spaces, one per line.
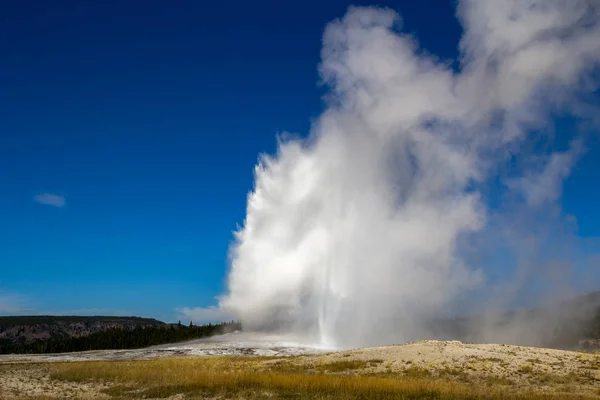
{"x":239,"y":377}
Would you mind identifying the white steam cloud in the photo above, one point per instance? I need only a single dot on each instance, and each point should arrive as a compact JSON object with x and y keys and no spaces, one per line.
{"x":357,"y":234}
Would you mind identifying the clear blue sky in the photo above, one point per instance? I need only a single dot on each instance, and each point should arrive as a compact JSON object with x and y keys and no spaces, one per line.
{"x":148,"y":117}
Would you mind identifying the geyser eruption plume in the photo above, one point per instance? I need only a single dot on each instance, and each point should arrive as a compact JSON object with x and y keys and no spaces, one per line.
{"x":356,"y":234}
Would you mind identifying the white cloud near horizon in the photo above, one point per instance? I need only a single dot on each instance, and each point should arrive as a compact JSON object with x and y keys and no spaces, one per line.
{"x":200,"y":315}
{"x":87,"y":312}
{"x":50,"y":199}
{"x":11,"y":303}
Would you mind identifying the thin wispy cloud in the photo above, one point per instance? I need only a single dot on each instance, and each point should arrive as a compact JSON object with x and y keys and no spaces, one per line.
{"x":50,"y":199}
{"x":90,"y":312}
{"x":11,"y":303}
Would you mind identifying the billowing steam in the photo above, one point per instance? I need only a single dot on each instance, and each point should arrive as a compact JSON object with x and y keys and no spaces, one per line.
{"x":360,"y":233}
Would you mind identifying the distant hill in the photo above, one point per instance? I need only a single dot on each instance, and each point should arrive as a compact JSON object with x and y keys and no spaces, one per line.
{"x":26,"y":329}
{"x":62,"y":319}
{"x":47,"y":334}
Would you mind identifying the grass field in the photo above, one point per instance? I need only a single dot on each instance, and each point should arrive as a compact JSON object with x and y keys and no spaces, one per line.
{"x":265,"y":378}
{"x":420,"y":370}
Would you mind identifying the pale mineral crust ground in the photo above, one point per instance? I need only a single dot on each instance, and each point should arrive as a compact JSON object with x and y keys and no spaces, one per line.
{"x":28,"y":376}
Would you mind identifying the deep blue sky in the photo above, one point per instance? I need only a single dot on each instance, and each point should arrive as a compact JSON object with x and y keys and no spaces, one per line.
{"x":148,"y":117}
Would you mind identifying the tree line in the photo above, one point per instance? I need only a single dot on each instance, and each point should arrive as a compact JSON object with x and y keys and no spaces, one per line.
{"x":118,"y":338}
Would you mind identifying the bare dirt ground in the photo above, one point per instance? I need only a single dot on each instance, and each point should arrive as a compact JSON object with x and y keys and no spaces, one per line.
{"x":514,"y":363}
{"x":540,"y":369}
{"x":500,"y":357}
{"x":33,"y":382}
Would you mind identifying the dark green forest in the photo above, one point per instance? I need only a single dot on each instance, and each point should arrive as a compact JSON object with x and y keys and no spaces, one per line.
{"x":119,"y":338}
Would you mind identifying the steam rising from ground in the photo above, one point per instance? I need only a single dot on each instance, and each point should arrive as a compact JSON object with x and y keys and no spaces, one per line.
{"x":359,"y":234}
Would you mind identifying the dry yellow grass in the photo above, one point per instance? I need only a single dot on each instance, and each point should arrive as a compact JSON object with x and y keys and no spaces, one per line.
{"x":421,"y":370}
{"x":237,"y":377}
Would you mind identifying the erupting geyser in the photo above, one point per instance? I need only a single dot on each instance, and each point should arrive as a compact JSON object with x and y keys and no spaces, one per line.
{"x":356,"y":235}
